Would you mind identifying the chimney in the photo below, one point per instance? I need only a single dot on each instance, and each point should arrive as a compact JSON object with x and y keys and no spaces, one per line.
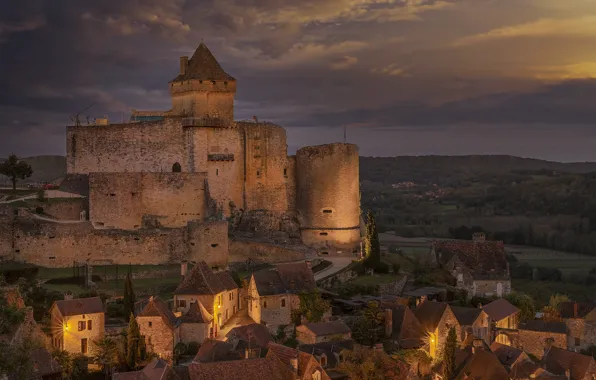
{"x":294,"y":364}
{"x":388,"y":322}
{"x":68,"y":296}
{"x":575,"y":312}
{"x":183,"y":269}
{"x":183,"y":65}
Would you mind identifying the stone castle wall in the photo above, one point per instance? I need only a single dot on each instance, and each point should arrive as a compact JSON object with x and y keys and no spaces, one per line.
{"x":130,"y":200}
{"x":241,"y":250}
{"x":58,"y":245}
{"x":328,"y":195}
{"x":64,"y":209}
{"x":138,"y":147}
{"x":196,"y":98}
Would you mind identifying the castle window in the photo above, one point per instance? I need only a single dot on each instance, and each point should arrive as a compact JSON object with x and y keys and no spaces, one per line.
{"x":176,"y":167}
{"x":327,"y":211}
{"x":52,"y":257}
{"x":216,"y":171}
{"x":181,"y":303}
{"x":285,"y":172}
{"x":324,"y":253}
{"x":283,"y":303}
{"x":323,"y":234}
{"x":214,"y":245}
{"x":150,"y":324}
{"x":112,"y":195}
{"x":258,"y":173}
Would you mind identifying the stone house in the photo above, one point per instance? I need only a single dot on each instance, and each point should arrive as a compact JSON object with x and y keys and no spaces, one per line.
{"x":436,"y":319}
{"x":269,"y":368}
{"x":580,"y":319}
{"x":77,"y":324}
{"x":502,"y":314}
{"x":159,"y":327}
{"x":252,"y":338}
{"x":195,"y":324}
{"x":329,"y":354}
{"x":475,"y":361}
{"x":569,"y":364}
{"x":535,"y":337}
{"x":480,"y":267}
{"x":310,"y":333}
{"x":274,"y":293}
{"x":301,"y":365}
{"x":213,"y":350}
{"x":217,"y":292}
{"x":516,"y":361}
{"x":472,"y":321}
{"x":403,"y":328}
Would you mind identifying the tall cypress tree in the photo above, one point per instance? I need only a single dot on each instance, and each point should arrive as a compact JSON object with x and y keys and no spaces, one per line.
{"x":449,"y":355}
{"x":135,"y":346}
{"x":129,"y":296}
{"x":372,"y":246}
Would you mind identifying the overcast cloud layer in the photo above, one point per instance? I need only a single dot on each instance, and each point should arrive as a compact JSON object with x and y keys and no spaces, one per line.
{"x":405,"y":77}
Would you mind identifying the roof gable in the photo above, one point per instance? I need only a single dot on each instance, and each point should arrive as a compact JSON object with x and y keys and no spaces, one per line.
{"x":499,"y":309}
{"x":466,"y":316}
{"x":196,"y":314}
{"x":429,"y":314}
{"x":201,"y":280}
{"x":157,"y":308}
{"x":284,"y":278}
{"x":79,"y":306}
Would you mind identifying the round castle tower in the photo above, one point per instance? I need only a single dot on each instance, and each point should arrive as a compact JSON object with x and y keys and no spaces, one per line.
{"x":328,"y":197}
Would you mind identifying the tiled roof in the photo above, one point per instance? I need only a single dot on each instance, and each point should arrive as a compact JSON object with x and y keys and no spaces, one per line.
{"x":285,"y":278}
{"x":485,"y":258}
{"x":215,"y":351}
{"x":80,"y":306}
{"x":483,"y":365}
{"x":499,"y":309}
{"x":558,"y":360}
{"x":196,"y":314}
{"x":572,"y":309}
{"x":248,"y":369}
{"x":328,"y":328}
{"x":544,"y":326}
{"x":406,"y":328}
{"x":466,"y":316}
{"x":203,"y":66}
{"x":305,"y":361}
{"x":507,"y":355}
{"x":43,"y":363}
{"x":429,"y":314}
{"x":202,"y":280}
{"x":157,"y":308}
{"x":258,"y":334}
{"x":157,"y":369}
{"x":330,"y":349}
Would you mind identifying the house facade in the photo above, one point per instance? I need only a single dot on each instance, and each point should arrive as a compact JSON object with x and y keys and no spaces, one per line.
{"x":77,"y":324}
{"x":274,"y":293}
{"x":502,"y":314}
{"x":436,"y":319}
{"x":159,"y":327}
{"x":472,"y":321}
{"x":310,"y":333}
{"x":217,"y":292}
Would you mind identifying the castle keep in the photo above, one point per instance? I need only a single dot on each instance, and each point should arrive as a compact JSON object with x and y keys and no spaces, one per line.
{"x":195,"y":173}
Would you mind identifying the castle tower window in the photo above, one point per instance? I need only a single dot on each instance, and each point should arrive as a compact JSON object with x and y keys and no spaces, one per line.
{"x":323,"y":234}
{"x":216,"y":171}
{"x":285,"y":172}
{"x":327,"y":211}
{"x":176,"y":167}
{"x":283,"y":303}
{"x":258,"y":173}
{"x":214,"y":245}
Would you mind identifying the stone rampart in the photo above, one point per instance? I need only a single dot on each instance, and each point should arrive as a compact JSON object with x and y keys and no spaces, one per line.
{"x":63,"y":209}
{"x":241,"y":250}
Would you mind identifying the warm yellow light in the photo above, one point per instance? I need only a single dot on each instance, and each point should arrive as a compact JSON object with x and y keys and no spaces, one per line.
{"x":219,"y":306}
{"x":432,"y":340}
{"x":66,"y":326}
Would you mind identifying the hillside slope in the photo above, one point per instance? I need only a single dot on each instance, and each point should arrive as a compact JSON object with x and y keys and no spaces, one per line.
{"x":45,"y":168}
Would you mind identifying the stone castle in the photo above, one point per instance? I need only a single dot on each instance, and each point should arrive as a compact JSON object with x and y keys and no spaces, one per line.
{"x":188,"y":178}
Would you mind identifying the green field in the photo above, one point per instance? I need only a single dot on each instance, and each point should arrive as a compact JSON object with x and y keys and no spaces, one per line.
{"x":570,"y":264}
{"x":541,"y":291}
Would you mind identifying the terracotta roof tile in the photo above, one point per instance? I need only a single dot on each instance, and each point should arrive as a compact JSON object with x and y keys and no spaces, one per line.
{"x":466,"y":316}
{"x":80,"y":306}
{"x":484,"y":259}
{"x":257,"y":334}
{"x":285,"y":278}
{"x":157,"y":308}
{"x":202,"y":280}
{"x":216,"y":351}
{"x":196,"y":314}
{"x":248,"y":369}
{"x":544,"y":326}
{"x":558,"y":360}
{"x":43,"y":363}
{"x":483,"y":365}
{"x":499,"y":309}
{"x":328,"y":328}
{"x":429,"y":314}
{"x":507,"y":355}
{"x":406,"y":328}
{"x":203,"y":66}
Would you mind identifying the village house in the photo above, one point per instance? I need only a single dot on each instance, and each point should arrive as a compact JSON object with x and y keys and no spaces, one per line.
{"x":274,"y":293}
{"x":502,"y":314}
{"x":580,"y":318}
{"x":472,"y":321}
{"x":77,"y":324}
{"x":403,"y":328}
{"x":252,"y":338}
{"x":309,"y":333}
{"x":195,"y":324}
{"x":515,"y":360}
{"x":479,"y":266}
{"x":269,"y":368}
{"x":217,"y":292}
{"x":571,"y":365}
{"x":157,"y":369}
{"x":535,"y":337}
{"x":303,"y":366}
{"x":329,"y":354}
{"x":159,"y":327}
{"x":436,"y":319}
{"x":213,"y":350}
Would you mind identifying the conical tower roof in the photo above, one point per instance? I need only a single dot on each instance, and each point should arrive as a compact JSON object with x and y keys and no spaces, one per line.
{"x":203,"y":66}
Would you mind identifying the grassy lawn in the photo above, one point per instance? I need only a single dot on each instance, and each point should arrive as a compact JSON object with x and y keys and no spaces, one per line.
{"x":570,"y":264}
{"x":18,"y":192}
{"x":541,"y":291}
{"x":374,"y":280}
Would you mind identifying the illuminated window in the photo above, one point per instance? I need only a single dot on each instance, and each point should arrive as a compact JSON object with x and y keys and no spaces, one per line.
{"x":316,"y":375}
{"x":89,"y":325}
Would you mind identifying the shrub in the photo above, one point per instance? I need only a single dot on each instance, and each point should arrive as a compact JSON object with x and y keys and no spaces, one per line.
{"x":12,"y":275}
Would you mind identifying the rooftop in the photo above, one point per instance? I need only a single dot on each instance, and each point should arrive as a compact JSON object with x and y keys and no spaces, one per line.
{"x":80,"y":306}
{"x":203,"y":66}
{"x":499,"y":309}
{"x":328,"y":328}
{"x":157,"y":308}
{"x":544,"y":326}
{"x":483,"y":258}
{"x":285,"y":278}
{"x":202,"y":280}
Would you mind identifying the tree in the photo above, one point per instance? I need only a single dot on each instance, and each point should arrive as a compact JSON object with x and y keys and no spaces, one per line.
{"x":129,"y":296}
{"x":312,"y":306}
{"x":449,"y":355}
{"x":15,"y":358}
{"x":372,"y":247}
{"x":15,"y":169}
{"x":367,"y":329}
{"x":73,"y":367}
{"x":367,"y":364}
{"x":524,"y":303}
{"x":135,"y":345}
{"x":106,"y":355}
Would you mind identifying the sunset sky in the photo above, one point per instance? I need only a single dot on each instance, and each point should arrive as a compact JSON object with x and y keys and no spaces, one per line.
{"x":406,"y":77}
